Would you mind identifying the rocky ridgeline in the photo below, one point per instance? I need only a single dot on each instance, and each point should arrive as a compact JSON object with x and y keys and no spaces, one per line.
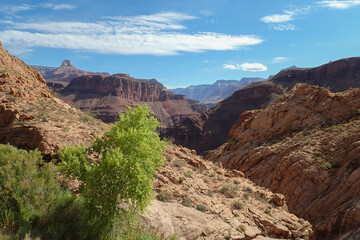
{"x":305,"y":146}
{"x":197,"y":199}
{"x":106,"y":96}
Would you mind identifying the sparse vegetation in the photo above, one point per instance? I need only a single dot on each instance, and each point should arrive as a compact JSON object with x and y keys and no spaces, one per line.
{"x":229,"y":191}
{"x":164,"y":196}
{"x":187,"y":202}
{"x":238,"y":205}
{"x":201,"y":208}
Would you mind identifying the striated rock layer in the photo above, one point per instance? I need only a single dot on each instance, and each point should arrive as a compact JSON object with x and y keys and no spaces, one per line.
{"x":305,"y":146}
{"x":106,"y":96}
{"x":337,"y":76}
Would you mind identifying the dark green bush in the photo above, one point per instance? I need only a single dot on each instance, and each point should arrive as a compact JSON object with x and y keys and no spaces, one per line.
{"x":31,"y":196}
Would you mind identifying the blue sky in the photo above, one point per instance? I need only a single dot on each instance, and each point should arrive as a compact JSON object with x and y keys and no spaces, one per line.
{"x":182,"y":42}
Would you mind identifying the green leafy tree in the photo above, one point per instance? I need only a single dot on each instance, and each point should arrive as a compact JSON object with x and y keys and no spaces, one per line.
{"x":118,"y":169}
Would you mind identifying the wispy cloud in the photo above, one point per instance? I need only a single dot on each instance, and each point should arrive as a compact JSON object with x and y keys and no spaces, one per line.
{"x":251,"y":67}
{"x":277,"y":18}
{"x":278,"y":21}
{"x":61,"y":6}
{"x":282,"y":27}
{"x":279,"y":59}
{"x":232,"y":67}
{"x":339,"y":4}
{"x":157,"y":34}
{"x":12,"y":9}
{"x":206,"y":12}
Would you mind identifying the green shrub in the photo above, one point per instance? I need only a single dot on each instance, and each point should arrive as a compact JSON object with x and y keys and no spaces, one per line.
{"x":117,"y":170}
{"x":229,"y":191}
{"x":29,"y":194}
{"x":187,"y":202}
{"x":201,"y":208}
{"x":237,"y":205}
{"x":164,"y":196}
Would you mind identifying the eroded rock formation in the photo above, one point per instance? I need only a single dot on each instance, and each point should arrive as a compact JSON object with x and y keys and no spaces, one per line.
{"x":305,"y":146}
{"x":106,"y":96}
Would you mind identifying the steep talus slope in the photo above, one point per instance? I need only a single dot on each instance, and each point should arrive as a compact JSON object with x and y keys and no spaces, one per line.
{"x":199,"y":200}
{"x":209,"y":130}
{"x":31,"y":117}
{"x":337,"y":76}
{"x":106,"y":96}
{"x":307,"y":147}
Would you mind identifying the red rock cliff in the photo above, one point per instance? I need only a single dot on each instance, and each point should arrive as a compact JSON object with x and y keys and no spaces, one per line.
{"x":305,"y":146}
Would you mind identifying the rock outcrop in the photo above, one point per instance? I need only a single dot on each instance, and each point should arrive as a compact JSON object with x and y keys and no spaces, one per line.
{"x":305,"y":146}
{"x":31,"y":116}
{"x":337,"y":76}
{"x":198,"y":200}
{"x":106,"y":96}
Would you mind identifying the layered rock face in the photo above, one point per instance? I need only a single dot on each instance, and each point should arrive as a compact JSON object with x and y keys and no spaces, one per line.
{"x":305,"y":146}
{"x":106,"y":96}
{"x":209,"y":130}
{"x":31,"y":117}
{"x":66,"y":72}
{"x":337,"y":76}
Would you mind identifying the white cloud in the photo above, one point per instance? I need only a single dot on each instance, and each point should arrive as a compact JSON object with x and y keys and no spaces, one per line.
{"x":251,"y":67}
{"x":156,"y":34}
{"x":279,"y":59}
{"x":277,"y":18}
{"x":232,"y":67}
{"x":339,"y":4}
{"x":276,"y":21}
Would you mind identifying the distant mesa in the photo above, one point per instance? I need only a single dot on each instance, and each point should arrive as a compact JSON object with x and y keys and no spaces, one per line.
{"x":105,"y":96}
{"x":210,"y":94}
{"x":58,"y":78}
